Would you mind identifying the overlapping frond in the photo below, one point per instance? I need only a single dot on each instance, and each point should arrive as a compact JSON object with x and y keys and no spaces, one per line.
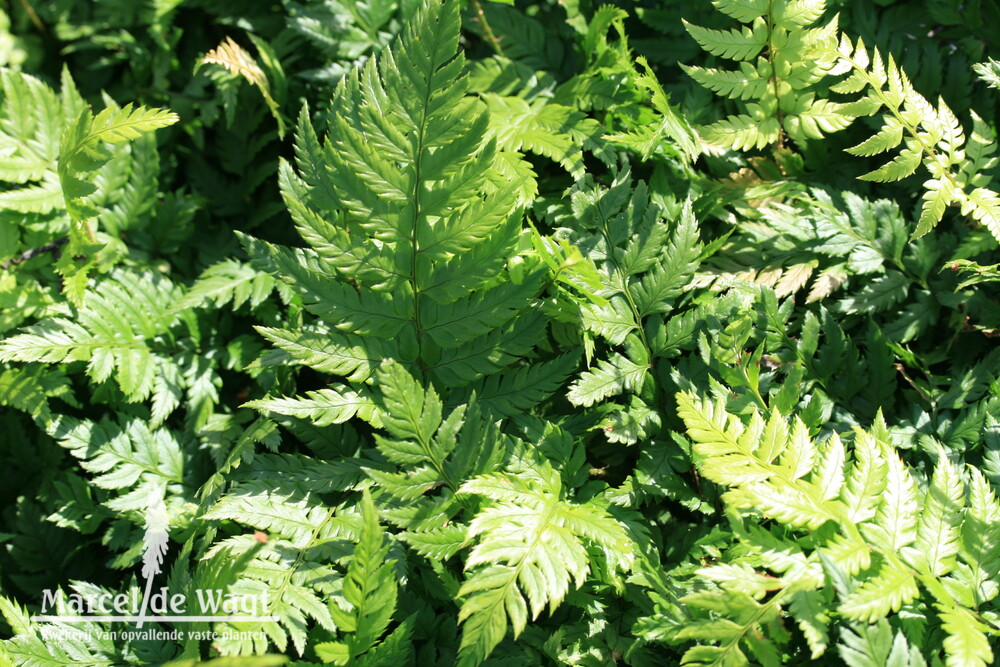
{"x":869,"y":523}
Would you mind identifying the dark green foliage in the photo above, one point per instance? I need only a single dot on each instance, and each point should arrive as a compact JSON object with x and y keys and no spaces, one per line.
{"x":466,"y":332}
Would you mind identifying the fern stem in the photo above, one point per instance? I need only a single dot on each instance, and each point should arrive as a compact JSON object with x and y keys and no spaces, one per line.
{"x":488,"y":33}
{"x":32,"y":15}
{"x":775,"y":81}
{"x":414,"y":250}
{"x":286,"y":577}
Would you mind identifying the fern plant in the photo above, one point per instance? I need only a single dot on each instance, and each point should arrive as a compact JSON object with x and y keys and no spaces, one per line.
{"x":129,"y":331}
{"x":781,"y":64}
{"x":856,"y":529}
{"x":411,"y":217}
{"x":53,"y":145}
{"x":931,"y":134}
{"x":408,"y":263}
{"x":642,"y":265}
{"x":427,"y":408}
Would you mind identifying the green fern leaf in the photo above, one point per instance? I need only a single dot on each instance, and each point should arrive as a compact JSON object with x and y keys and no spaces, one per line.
{"x":742,"y":132}
{"x":128,"y":458}
{"x":797,"y":13}
{"x":552,"y":130}
{"x":530,"y":551}
{"x":938,"y":195}
{"x":988,"y":72}
{"x":984,"y":207}
{"x":43,"y":198}
{"x":323,"y":407}
{"x":502,"y":347}
{"x":516,"y":392}
{"x":967,"y":642}
{"x":113,"y":333}
{"x":937,"y":538}
{"x":28,"y":390}
{"x":363,"y":312}
{"x":887,"y":138}
{"x":743,"y":84}
{"x":609,"y":377}
{"x":899,"y":168}
{"x":655,"y":291}
{"x":410,"y":218}
{"x":228,"y":281}
{"x":288,"y":569}
{"x":82,"y":152}
{"x":339,"y":354}
{"x":732,"y":44}
{"x":369,"y":586}
{"x":613,"y":321}
{"x":744,"y":11}
{"x":896,"y":519}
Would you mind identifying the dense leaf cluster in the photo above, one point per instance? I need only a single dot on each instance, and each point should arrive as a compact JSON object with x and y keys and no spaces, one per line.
{"x":535,"y":332}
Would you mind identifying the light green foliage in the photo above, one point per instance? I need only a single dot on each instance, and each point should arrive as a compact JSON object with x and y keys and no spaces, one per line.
{"x":490,"y":357}
{"x":293,"y":569}
{"x":344,"y":31}
{"x":411,"y":218}
{"x":370,"y":588}
{"x":989,"y":72}
{"x":931,"y":136}
{"x":858,"y":519}
{"x":532,"y":547}
{"x":118,"y":332}
{"x":781,"y":64}
{"x":83,"y":151}
{"x":53,"y":147}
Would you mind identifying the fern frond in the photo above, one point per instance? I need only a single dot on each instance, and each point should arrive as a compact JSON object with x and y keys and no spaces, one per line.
{"x":344,"y":354}
{"x":983,"y":205}
{"x":290,"y":568}
{"x":129,"y":458}
{"x":552,"y":130}
{"x":897,"y":169}
{"x":82,"y":151}
{"x":29,"y":389}
{"x":238,"y":61}
{"x":743,"y":132}
{"x":642,"y":263}
{"x":229,"y":281}
{"x":369,"y":587}
{"x":609,"y":377}
{"x":933,"y":138}
{"x":113,"y":333}
{"x":323,"y":407}
{"x":792,"y":58}
{"x":872,"y":527}
{"x":411,"y":217}
{"x":519,"y":390}
{"x":887,"y":138}
{"x":532,"y":547}
{"x":989,"y":72}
